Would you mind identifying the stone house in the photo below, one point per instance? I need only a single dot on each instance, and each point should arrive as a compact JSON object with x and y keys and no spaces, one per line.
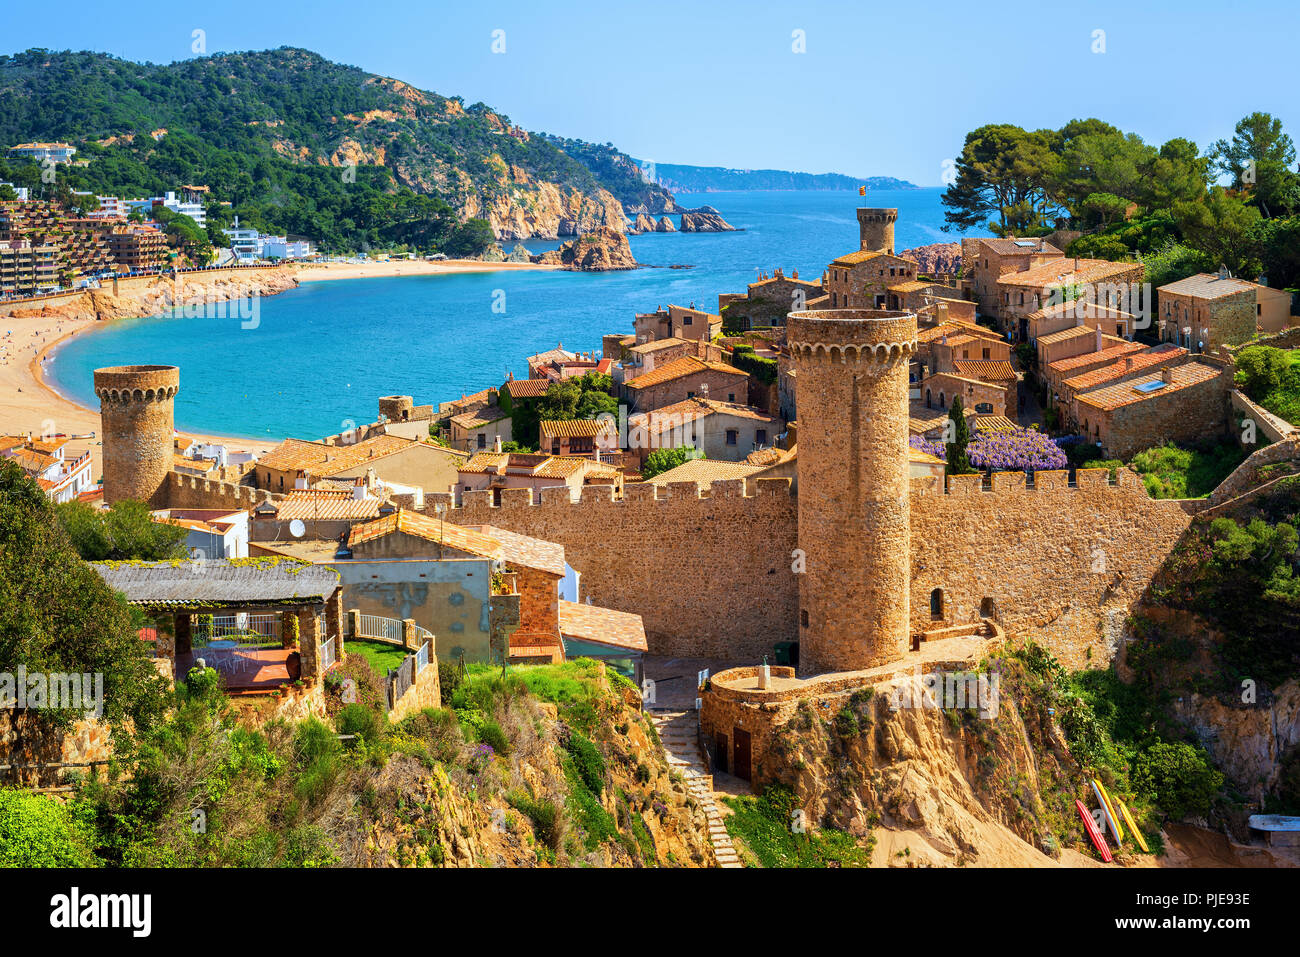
{"x":586,"y":437}
{"x":1187,"y":403}
{"x":1054,"y":373}
{"x":725,"y":431}
{"x":677,"y":322}
{"x":495,"y":471}
{"x":296,"y":463}
{"x":986,"y":398}
{"x":683,"y":379}
{"x":1131,"y":366}
{"x":861,"y":279}
{"x":1021,"y":294}
{"x":1067,"y":315}
{"x":1075,"y":341}
{"x":767,"y":301}
{"x":985,"y":260}
{"x":1205,"y":311}
{"x":484,"y":427}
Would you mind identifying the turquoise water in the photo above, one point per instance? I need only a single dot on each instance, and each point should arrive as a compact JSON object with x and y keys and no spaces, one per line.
{"x":322,"y":354}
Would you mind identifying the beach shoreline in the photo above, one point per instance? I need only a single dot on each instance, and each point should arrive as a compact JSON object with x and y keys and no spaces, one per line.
{"x":30,"y":402}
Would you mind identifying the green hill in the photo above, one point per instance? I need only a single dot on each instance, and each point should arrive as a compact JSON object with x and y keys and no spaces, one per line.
{"x":274,"y":133}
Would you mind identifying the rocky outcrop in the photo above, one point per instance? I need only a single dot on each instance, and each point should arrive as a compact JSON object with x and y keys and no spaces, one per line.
{"x":936,"y":257}
{"x":644,"y":224}
{"x":519,"y":254}
{"x":494,"y":254}
{"x":705,"y":220}
{"x":600,"y":251}
{"x":665,"y":226}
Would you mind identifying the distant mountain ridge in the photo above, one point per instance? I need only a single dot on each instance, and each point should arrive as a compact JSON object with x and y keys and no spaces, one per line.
{"x":682,"y":178}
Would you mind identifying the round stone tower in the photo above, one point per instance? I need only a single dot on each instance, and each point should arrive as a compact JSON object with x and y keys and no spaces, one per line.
{"x":854,"y":505}
{"x":135,"y":412}
{"x":876,"y":229}
{"x":396,"y":408}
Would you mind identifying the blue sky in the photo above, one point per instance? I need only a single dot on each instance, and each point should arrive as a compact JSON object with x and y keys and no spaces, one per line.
{"x":881,"y":89}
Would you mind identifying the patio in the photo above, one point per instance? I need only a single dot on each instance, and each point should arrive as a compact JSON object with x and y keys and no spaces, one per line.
{"x":260,"y":624}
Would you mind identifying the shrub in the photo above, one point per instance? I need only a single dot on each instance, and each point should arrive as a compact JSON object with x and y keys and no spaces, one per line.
{"x":1178,"y":777}
{"x":490,"y":733}
{"x":545,"y":815}
{"x":365,"y":723}
{"x":38,"y":831}
{"x":589,"y":762}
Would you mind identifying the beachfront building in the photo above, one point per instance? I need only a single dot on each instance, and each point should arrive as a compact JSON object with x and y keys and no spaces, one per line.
{"x":27,"y":268}
{"x":61,"y":475}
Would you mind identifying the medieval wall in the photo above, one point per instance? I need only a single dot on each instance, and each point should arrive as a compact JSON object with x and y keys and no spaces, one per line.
{"x":709,"y":572}
{"x":190,"y":491}
{"x":1057,"y":564}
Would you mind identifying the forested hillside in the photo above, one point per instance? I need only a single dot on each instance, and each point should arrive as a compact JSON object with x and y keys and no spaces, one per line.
{"x":275,"y":132}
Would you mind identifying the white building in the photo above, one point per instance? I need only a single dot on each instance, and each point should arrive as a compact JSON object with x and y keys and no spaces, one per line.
{"x":45,"y":461}
{"x":57,"y":152}
{"x":214,"y":533}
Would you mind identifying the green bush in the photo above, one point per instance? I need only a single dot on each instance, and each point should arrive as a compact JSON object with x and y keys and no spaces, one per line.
{"x":589,"y":762}
{"x":1178,"y":777}
{"x":490,"y":733}
{"x":548,"y":823}
{"x":38,"y":831}
{"x":365,"y":723}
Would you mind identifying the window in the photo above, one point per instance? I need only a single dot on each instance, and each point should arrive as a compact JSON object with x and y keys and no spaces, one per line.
{"x":984,"y":408}
{"x":928,"y":398}
{"x":936,"y":605}
{"x":690,"y":395}
{"x":686,"y":320}
{"x":986,"y":353}
{"x":760,"y":436}
{"x":803,"y":617}
{"x":731,"y":397}
{"x":482,"y":440}
{"x":943,"y":404}
{"x":987,"y":610}
{"x":732,"y":435}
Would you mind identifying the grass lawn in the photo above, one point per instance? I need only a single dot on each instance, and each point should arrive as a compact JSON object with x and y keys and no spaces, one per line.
{"x":1169,"y":471}
{"x":761,"y":828}
{"x":382,"y":657}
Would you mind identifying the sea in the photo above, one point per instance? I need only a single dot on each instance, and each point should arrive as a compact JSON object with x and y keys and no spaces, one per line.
{"x":316,"y":358}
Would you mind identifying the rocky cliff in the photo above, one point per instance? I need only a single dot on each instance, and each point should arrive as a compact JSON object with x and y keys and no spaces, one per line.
{"x":936,"y":257}
{"x":602,"y":250}
{"x":706,"y":219}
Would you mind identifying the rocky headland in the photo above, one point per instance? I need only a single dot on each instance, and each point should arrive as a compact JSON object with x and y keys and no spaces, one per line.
{"x":706,"y":219}
{"x":601,"y":250}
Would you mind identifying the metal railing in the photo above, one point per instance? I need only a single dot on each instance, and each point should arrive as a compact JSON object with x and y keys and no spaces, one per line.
{"x":328,"y":656}
{"x":246,"y":630}
{"x":386,"y":629}
{"x":422,"y":656}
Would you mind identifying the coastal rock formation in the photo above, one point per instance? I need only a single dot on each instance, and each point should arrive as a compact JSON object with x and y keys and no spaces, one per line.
{"x":525,"y":208}
{"x":644,"y":224}
{"x":936,"y":257}
{"x":519,"y":254}
{"x":665,"y":226}
{"x":705,"y":220}
{"x":603,"y":250}
{"x":494,"y":254}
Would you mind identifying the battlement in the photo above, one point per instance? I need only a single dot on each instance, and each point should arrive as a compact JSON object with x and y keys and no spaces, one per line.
{"x":635,"y":493}
{"x":137,"y":383}
{"x":1126,"y":484}
{"x":191,"y":491}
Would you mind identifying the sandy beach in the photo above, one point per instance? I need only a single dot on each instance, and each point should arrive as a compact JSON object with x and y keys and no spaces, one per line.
{"x":29,"y":404}
{"x":315,"y":272}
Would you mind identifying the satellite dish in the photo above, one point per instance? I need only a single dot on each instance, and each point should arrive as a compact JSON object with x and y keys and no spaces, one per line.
{"x":297,"y":529}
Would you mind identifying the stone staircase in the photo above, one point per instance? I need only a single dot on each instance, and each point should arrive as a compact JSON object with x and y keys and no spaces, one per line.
{"x":679,"y":733}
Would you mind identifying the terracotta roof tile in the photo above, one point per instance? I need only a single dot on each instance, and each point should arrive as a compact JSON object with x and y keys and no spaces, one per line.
{"x":602,"y":626}
{"x":1063,"y":271}
{"x":678,"y":368}
{"x":317,"y":458}
{"x":988,"y":370}
{"x":526,"y":388}
{"x":525,"y":550}
{"x":1097,"y":377}
{"x":1092,"y":358}
{"x":325,"y":504}
{"x":1128,"y":393}
{"x":1207,"y":285}
{"x":573,"y":428}
{"x":431,"y":529}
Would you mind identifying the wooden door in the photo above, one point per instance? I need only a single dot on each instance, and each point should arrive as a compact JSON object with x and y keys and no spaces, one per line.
{"x":741,"y":761}
{"x":720,"y":758}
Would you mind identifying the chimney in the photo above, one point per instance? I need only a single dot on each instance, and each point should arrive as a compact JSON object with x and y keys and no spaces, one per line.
{"x":1128,"y":363}
{"x":1098,"y":337}
{"x":497,"y":446}
{"x":1167,"y":375}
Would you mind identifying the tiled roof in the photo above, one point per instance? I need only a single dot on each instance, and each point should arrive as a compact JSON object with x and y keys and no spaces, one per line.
{"x":467,"y":402}
{"x":325,"y":504}
{"x":912,"y":285}
{"x":989,"y":370}
{"x":1063,"y":335}
{"x":1096,"y":377}
{"x":1207,"y":285}
{"x":46,"y":446}
{"x":952,"y":327}
{"x":956,"y":339}
{"x":925,"y":458}
{"x":602,"y":626}
{"x":1075,"y":310}
{"x":1063,"y":271}
{"x":1010,"y":247}
{"x":1092,"y":358}
{"x":573,"y":428}
{"x":527,"y":388}
{"x":563,"y":466}
{"x":30,"y":461}
{"x":670,"y":416}
{"x":766,"y":458}
{"x":861,"y":256}
{"x":1127,"y":393}
{"x":219,"y":583}
{"x":317,"y":458}
{"x":705,"y":471}
{"x":995,"y":423}
{"x":551,"y":355}
{"x":525,"y":550}
{"x":656,"y":345}
{"x":430,"y":529}
{"x":479,"y":417}
{"x":11,"y":441}
{"x":686,"y":365}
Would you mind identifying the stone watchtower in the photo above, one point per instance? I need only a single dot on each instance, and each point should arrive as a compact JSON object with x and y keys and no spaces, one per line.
{"x":135,"y":412}
{"x":854,"y":495}
{"x":876,"y":230}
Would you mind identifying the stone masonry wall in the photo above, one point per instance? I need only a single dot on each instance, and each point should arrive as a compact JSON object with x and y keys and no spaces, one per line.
{"x":1057,"y":564}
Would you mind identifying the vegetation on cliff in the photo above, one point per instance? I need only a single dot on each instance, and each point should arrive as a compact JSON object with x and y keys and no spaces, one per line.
{"x":296,"y":143}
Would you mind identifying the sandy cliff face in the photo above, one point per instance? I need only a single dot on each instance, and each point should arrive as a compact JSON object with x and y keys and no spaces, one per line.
{"x":936,"y":257}
{"x":1248,"y":742}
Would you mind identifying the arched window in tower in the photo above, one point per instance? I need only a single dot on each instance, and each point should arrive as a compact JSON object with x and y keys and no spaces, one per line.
{"x":929,"y":398}
{"x":936,"y":605}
